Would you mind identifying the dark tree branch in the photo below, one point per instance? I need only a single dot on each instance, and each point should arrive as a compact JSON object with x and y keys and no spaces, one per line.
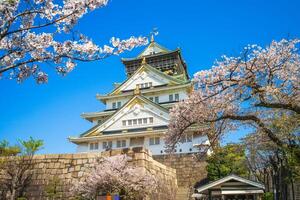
{"x":291,"y":107}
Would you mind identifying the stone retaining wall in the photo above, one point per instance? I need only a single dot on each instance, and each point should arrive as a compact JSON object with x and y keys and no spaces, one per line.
{"x":60,"y":170}
{"x":189,"y":171}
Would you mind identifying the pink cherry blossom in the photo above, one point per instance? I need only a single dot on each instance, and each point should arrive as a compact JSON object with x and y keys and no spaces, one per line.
{"x":250,"y":90}
{"x":24,"y":42}
{"x":116,"y":175}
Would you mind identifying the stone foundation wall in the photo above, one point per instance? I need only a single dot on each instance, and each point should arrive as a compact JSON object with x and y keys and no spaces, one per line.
{"x":60,"y":170}
{"x":189,"y":171}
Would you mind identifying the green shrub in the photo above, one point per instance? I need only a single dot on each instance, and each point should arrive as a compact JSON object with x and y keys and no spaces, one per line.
{"x":268,"y":196}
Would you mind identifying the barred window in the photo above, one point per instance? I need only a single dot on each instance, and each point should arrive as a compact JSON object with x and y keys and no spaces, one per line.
{"x":154,"y":141}
{"x":107,"y":145}
{"x":94,"y":146}
{"x":121,"y":143}
{"x":176,"y":97}
{"x":139,"y":121}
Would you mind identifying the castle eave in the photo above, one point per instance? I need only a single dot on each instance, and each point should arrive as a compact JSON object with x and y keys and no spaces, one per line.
{"x":92,"y":115}
{"x":125,"y":60}
{"x":143,"y":91}
{"x":78,"y":140}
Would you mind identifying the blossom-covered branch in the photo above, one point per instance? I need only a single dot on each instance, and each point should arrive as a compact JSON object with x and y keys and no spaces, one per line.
{"x":115,"y":175}
{"x":250,"y":89}
{"x":31,"y":35}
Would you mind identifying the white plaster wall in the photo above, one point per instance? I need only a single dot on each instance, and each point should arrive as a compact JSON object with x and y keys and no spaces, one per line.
{"x":123,"y":101}
{"x":83,"y":147}
{"x":163,"y":97}
{"x":200,"y":139}
{"x":186,"y":147}
{"x":155,"y":149}
{"x":160,"y":118}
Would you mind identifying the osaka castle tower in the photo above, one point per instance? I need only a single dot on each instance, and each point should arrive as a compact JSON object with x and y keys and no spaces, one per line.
{"x":137,"y":110}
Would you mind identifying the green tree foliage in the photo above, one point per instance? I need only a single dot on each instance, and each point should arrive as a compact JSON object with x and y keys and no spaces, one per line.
{"x":52,"y":188}
{"x":230,"y":159}
{"x":25,"y":147}
{"x":16,"y":167}
{"x":31,"y":146}
{"x":268,"y":196}
{"x":278,"y":167}
{"x":288,"y":129}
{"x":7,"y":150}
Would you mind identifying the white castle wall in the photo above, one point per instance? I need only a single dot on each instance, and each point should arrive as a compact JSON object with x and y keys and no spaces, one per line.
{"x":187,"y":147}
{"x":163,"y":97}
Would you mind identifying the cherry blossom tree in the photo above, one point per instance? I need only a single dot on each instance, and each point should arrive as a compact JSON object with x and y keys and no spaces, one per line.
{"x":249,"y":90}
{"x":37,"y":33}
{"x":115,"y":175}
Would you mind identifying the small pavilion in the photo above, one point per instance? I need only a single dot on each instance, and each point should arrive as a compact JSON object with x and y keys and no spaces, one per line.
{"x":231,"y":187}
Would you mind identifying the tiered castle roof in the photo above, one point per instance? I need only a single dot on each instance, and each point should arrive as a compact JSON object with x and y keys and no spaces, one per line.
{"x":156,"y":63}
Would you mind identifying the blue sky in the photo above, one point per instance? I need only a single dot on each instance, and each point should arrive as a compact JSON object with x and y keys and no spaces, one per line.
{"x":204,"y":30}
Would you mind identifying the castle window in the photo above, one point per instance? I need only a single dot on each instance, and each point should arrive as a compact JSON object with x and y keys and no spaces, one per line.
{"x":144,"y":85}
{"x":140,"y":121}
{"x":107,"y":145}
{"x":121,"y":143}
{"x":189,"y":138}
{"x":151,"y":120}
{"x":173,"y":97}
{"x":144,"y":120}
{"x":138,"y":141}
{"x":154,"y":141}
{"x":116,"y":105}
{"x":119,"y":104}
{"x":94,"y":146}
{"x":186,"y":138}
{"x":156,"y":99}
{"x":176,"y":97}
{"x":134,"y":122}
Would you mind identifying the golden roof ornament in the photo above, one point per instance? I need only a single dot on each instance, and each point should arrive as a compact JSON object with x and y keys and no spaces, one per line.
{"x":152,"y":38}
{"x":144,"y":61}
{"x":137,"y":90}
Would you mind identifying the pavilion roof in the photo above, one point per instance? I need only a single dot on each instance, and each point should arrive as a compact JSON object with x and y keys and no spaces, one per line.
{"x":232,"y":177}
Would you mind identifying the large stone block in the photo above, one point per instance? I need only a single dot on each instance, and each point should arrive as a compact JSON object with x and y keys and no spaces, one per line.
{"x":68,"y":168}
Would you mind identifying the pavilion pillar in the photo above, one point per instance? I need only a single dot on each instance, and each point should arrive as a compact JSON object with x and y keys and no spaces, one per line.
{"x":223,"y":197}
{"x":209,"y":195}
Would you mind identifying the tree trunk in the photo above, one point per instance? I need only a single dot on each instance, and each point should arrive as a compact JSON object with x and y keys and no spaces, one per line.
{"x":293,"y":189}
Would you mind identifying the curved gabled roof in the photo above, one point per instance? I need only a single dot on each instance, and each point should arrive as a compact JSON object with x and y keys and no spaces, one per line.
{"x":99,"y":127}
{"x":228,"y":178}
{"x":153,"y":48}
{"x":124,"y":60}
{"x":144,"y":67}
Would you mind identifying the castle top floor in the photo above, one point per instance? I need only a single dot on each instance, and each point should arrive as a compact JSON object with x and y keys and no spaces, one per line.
{"x":159,"y":57}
